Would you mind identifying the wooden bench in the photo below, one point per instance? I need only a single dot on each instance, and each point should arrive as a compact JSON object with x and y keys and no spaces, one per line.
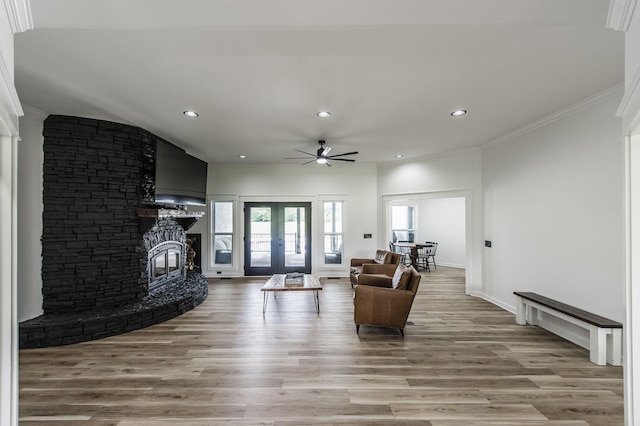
{"x":528,"y":305}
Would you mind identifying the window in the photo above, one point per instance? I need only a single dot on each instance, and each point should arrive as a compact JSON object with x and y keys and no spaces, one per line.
{"x":402,"y":224}
{"x":222,"y":227}
{"x":333,"y":232}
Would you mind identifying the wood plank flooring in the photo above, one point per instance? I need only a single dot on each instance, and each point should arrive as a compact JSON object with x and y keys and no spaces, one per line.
{"x":463,"y":361}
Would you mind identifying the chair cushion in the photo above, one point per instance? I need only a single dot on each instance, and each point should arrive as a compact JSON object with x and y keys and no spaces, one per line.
{"x":400,"y":280}
{"x":381,"y":257}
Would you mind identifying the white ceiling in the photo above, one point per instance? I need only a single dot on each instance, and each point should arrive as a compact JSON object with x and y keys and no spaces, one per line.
{"x":257,"y":71}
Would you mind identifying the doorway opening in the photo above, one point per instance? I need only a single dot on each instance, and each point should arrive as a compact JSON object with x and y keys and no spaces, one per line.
{"x":442,"y":217}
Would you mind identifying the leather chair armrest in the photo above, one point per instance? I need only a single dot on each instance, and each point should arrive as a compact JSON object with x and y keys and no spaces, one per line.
{"x":374,"y":280}
{"x":360,"y":262}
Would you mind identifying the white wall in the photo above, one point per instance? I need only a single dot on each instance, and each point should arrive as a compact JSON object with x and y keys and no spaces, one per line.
{"x":455,"y":174}
{"x":14,"y":17}
{"x":553,"y":201}
{"x":30,"y":163}
{"x":443,"y":220}
{"x":629,"y":110}
{"x":353,"y":183}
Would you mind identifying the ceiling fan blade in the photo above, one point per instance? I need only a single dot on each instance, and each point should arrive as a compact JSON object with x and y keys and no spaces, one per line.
{"x":326,"y":151}
{"x":297,"y":158}
{"x":342,"y":155}
{"x":328,"y":163}
{"x":308,"y":153}
{"x":343,"y":159}
{"x":312,"y":161}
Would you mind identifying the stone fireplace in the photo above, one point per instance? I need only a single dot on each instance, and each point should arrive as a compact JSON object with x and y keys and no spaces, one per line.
{"x":112,"y":259}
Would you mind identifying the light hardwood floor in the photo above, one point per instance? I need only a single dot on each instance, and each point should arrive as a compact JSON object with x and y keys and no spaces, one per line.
{"x":463,"y":361}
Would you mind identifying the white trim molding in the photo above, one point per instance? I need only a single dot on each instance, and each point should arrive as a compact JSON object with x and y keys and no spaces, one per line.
{"x":616,"y":90}
{"x":620,"y":14}
{"x":19,"y":14}
{"x":10,"y":108}
{"x":10,"y":89}
{"x":627,"y":105}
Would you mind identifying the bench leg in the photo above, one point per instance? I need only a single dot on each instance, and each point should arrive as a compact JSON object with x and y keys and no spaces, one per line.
{"x":521,"y":312}
{"x":598,"y":345}
{"x":532,"y":315}
{"x":616,"y":346}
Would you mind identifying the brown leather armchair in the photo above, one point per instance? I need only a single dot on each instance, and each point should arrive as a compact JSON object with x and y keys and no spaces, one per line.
{"x":382,"y":257}
{"x":388,"y":302}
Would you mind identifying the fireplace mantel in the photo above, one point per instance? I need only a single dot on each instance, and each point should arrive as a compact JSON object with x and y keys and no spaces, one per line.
{"x":162,"y":213}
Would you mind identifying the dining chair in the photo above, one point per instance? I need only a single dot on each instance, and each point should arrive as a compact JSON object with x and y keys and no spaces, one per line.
{"x":432,"y":254}
{"x":423,"y":256}
{"x":405,"y":252}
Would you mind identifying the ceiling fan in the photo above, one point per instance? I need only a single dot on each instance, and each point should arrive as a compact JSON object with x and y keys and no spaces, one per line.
{"x":322,"y":156}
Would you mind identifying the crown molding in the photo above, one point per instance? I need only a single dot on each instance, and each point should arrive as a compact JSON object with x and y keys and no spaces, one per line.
{"x":616,"y":90}
{"x":19,"y":14}
{"x":34,"y":111}
{"x":629,"y":105}
{"x":632,"y":91}
{"x":10,"y":108}
{"x":620,"y":14}
{"x":7,"y":87}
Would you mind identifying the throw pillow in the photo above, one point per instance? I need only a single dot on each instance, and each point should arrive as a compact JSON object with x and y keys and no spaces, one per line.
{"x":400,"y":280}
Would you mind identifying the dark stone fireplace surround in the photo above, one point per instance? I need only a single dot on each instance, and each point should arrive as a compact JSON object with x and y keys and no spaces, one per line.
{"x":99,"y":225}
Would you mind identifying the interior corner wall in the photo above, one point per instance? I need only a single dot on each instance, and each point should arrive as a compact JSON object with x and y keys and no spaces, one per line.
{"x":443,"y":220}
{"x":353,"y":183}
{"x":554,"y":211}
{"x":30,"y":162}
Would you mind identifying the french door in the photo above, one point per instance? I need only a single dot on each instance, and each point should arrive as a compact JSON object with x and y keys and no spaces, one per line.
{"x":277,"y":238}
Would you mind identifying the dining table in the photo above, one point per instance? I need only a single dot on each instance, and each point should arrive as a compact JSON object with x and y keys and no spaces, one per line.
{"x":413,"y":252}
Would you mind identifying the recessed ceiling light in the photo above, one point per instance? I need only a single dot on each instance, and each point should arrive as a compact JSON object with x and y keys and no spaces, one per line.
{"x":458,"y":112}
{"x":191,"y":113}
{"x":324,"y":114}
{"x":399,"y":156}
{"x":242,"y":156}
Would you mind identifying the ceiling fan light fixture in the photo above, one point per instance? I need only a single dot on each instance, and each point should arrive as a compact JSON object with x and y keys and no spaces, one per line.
{"x":324,"y":114}
{"x":321,"y":161}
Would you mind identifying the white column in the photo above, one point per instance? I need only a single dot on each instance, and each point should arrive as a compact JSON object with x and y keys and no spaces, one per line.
{"x":632,"y":321}
{"x":8,"y":261}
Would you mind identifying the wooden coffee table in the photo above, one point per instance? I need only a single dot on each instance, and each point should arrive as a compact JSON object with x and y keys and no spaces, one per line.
{"x":276,"y":284}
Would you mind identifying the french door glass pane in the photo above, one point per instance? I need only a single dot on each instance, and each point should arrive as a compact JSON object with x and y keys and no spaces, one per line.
{"x":294,"y":236}
{"x":260,"y":236}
